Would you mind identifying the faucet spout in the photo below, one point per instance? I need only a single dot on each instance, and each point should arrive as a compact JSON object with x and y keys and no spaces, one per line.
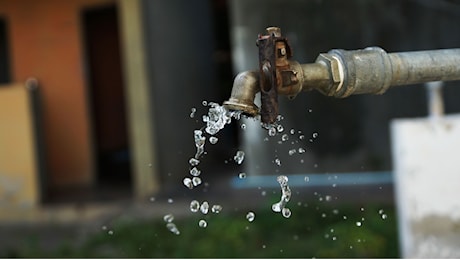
{"x":245,"y":88}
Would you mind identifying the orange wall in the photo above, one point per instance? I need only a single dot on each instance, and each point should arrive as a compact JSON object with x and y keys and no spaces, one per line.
{"x":46,"y":43}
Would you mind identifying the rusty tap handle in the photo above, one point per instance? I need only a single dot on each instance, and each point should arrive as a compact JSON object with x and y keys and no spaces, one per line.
{"x":274,"y":52}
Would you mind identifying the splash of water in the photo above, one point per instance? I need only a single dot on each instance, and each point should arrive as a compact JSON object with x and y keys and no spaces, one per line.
{"x":285,"y":197}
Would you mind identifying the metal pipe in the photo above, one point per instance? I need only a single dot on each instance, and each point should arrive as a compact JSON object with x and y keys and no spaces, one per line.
{"x":341,"y":73}
{"x":373,"y":71}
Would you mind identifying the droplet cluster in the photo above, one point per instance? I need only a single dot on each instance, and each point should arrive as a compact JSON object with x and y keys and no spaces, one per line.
{"x":285,"y":197}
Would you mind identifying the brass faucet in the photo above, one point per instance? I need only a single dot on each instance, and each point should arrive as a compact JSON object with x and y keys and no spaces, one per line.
{"x":338,"y":73}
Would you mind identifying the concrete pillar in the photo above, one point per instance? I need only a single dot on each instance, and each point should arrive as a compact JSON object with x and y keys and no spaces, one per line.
{"x":426,"y":167}
{"x":141,"y":128}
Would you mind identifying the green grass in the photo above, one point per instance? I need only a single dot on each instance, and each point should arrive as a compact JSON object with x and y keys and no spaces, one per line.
{"x":317,"y":230}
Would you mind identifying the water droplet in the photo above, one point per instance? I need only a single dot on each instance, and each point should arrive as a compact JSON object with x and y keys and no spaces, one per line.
{"x":277,"y":207}
{"x":192,"y":113}
{"x":195,"y":172}
{"x":104,"y":227}
{"x":284,"y":137}
{"x":242,"y":175}
{"x":301,"y":137}
{"x":358,"y":224}
{"x":173,"y":228}
{"x":334,"y":238}
{"x":263,"y":193}
{"x":202,"y":223}
{"x":292,"y":151}
{"x":205,"y":103}
{"x":302,"y":161}
{"x":196,"y":181}
{"x":168,"y":218}
{"x":362,"y":209}
{"x":286,"y":212}
{"x":199,"y":143}
{"x":307,"y":179}
{"x":282,"y":180}
{"x":384,"y":216}
{"x":243,"y":126}
{"x":292,"y":131}
{"x":301,"y":150}
{"x":170,"y":200}
{"x":310,"y":110}
{"x":278,"y":161}
{"x":239,"y":157}
{"x":381,"y":211}
{"x":188,"y":183}
{"x":110,"y":232}
{"x":279,"y":128}
{"x":344,"y":217}
{"x":250,"y":216}
{"x":194,"y":206}
{"x":323,"y":215}
{"x":315,"y":134}
{"x":152,"y":199}
{"x":150,"y":165}
{"x":204,"y":208}
{"x":315,"y":165}
{"x":216,"y":209}
{"x":193,"y":162}
{"x":213,"y":139}
{"x":264,"y":246}
{"x":328,"y":198}
{"x":332,"y":230}
{"x":271,"y":131}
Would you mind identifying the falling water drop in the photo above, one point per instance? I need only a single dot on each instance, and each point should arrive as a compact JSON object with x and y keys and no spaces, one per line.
{"x":286,"y":212}
{"x":194,"y":206}
{"x":239,"y":157}
{"x":271,"y":131}
{"x":301,"y":150}
{"x":242,"y":175}
{"x":196,"y":181}
{"x":292,"y":131}
{"x":243,"y":126}
{"x":168,"y":218}
{"x":279,"y":128}
{"x":213,"y":139}
{"x":195,"y":172}
{"x":192,"y":113}
{"x":202,"y":223}
{"x":292,"y":151}
{"x":284,"y":137}
{"x":315,"y":134}
{"x":358,"y":223}
{"x":250,"y":216}
{"x":188,"y":183}
{"x":216,"y":209}
{"x":204,"y":208}
{"x":172,"y":227}
{"x":278,"y":161}
{"x":193,"y":161}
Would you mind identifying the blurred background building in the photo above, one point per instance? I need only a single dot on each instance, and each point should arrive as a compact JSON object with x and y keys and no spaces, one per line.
{"x":117,"y":79}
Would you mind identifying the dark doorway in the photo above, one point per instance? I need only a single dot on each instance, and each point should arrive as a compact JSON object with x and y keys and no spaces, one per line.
{"x":4,"y":57}
{"x":107,"y":100}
